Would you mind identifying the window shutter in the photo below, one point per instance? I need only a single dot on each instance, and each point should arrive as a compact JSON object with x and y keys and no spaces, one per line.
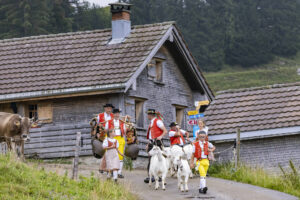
{"x":45,"y":112}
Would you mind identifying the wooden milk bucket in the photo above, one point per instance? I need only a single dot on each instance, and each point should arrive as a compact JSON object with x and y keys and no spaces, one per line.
{"x":97,"y":142}
{"x":132,"y":148}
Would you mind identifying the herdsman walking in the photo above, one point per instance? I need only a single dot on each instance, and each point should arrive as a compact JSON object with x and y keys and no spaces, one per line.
{"x":106,"y":115}
{"x":201,"y":148}
{"x":102,"y":119}
{"x":155,"y":133}
{"x":120,"y":131}
{"x":176,"y":135}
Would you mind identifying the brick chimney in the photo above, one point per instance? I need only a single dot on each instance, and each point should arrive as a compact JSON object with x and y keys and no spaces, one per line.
{"x":121,"y":24}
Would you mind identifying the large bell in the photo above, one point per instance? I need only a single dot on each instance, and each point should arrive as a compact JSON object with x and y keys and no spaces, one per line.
{"x":97,"y":148}
{"x":132,"y":151}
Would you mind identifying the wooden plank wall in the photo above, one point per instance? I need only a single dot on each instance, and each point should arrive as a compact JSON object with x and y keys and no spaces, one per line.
{"x":57,"y":141}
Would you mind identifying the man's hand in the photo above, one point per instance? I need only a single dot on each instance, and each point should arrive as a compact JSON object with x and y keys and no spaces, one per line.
{"x":192,"y":165}
{"x":159,"y":138}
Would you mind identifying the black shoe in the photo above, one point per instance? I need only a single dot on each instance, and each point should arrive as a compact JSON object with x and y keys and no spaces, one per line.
{"x":152,"y":179}
{"x":200,"y":190}
{"x":101,"y":171}
{"x":120,"y":176}
{"x":146,"y":180}
{"x":116,"y":180}
{"x":159,"y":179}
{"x":205,"y":190}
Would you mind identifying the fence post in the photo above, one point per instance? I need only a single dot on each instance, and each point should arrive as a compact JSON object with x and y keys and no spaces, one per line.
{"x":238,"y":145}
{"x":76,"y":156}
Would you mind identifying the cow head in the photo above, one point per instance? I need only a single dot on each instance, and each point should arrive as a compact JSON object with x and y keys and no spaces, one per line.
{"x":25,"y":126}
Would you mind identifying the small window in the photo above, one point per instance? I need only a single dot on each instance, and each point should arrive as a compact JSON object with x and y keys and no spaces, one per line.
{"x":179,"y":114}
{"x":155,"y":70}
{"x":32,"y":111}
{"x":139,"y":113}
{"x":40,"y":111}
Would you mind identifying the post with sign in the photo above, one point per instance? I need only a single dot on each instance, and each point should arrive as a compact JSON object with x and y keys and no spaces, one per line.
{"x":194,"y":116}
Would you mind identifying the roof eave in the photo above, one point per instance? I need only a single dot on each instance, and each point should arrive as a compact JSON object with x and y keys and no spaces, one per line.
{"x":259,"y":134}
{"x":192,"y":62}
{"x":56,"y":92}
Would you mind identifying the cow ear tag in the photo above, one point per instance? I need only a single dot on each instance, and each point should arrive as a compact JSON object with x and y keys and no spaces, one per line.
{"x":17,"y":123}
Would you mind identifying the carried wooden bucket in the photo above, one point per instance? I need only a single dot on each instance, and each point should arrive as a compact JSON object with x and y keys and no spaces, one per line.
{"x":97,"y":148}
{"x":132,"y":151}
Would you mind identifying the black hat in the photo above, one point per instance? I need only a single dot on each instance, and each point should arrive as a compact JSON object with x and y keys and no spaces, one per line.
{"x":116,"y":110}
{"x":151,"y":111}
{"x":202,"y":132}
{"x":108,"y":105}
{"x":173,"y":124}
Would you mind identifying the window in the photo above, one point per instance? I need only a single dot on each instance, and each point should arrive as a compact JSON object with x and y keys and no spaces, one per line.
{"x":139,"y":113}
{"x":179,"y":114}
{"x":155,"y":70}
{"x":32,"y":111}
{"x":40,"y":111}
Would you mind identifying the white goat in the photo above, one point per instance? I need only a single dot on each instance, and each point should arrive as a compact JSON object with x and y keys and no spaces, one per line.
{"x":188,"y":150}
{"x":158,"y":167}
{"x":183,"y":172}
{"x":176,"y":153}
{"x":167,"y":152}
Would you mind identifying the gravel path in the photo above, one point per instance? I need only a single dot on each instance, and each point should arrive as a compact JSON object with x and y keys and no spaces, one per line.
{"x":219,"y":189}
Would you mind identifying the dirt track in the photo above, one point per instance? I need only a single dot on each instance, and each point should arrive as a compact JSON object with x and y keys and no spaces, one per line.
{"x":219,"y":189}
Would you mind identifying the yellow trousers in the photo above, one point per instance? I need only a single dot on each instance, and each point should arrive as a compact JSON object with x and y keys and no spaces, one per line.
{"x":203,"y":167}
{"x":121,"y":148}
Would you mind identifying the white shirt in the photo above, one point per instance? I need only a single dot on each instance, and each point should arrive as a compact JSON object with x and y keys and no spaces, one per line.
{"x":106,"y":117}
{"x":105,"y":142}
{"x":210,"y":145}
{"x":172,"y":133}
{"x":116,"y":127}
{"x":205,"y":129}
{"x":160,"y":125}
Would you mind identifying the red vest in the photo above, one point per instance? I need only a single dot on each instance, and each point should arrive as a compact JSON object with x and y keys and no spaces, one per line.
{"x":102,"y":118}
{"x":112,"y":126}
{"x":110,"y":144}
{"x":176,"y":140}
{"x":198,"y":150}
{"x":155,"y":130}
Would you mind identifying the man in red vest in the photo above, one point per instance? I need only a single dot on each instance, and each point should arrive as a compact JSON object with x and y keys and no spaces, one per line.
{"x":102,"y":119}
{"x":120,"y":130}
{"x":176,"y":135}
{"x":155,"y":133}
{"x":201,"y":148}
{"x":106,"y":115}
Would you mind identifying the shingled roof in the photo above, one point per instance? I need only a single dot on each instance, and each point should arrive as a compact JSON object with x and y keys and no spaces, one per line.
{"x":253,"y":109}
{"x":72,"y":60}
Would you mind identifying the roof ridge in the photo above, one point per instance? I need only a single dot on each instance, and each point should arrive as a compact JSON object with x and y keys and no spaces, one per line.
{"x":79,"y":32}
{"x":281,"y":85}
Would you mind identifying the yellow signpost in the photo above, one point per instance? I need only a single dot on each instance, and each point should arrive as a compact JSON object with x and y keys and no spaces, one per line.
{"x":201,"y":103}
{"x":193,"y":112}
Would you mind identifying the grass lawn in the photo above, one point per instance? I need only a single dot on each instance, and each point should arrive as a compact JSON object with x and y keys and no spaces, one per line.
{"x":281,"y":70}
{"x":20,"y":181}
{"x":288,"y":181}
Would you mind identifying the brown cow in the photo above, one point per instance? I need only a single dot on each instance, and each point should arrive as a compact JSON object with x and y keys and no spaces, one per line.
{"x":14,"y":129}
